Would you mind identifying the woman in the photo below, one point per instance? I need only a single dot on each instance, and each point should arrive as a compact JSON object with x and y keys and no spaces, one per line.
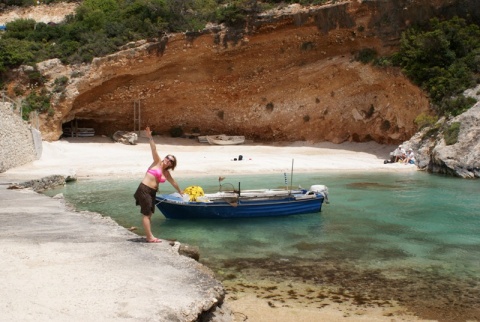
{"x":158,"y":172}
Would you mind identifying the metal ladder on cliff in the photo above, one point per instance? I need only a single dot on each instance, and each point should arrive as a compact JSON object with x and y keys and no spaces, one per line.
{"x":137,"y":117}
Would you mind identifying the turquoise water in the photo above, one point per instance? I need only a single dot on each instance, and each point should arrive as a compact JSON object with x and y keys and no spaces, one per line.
{"x":413,"y":235}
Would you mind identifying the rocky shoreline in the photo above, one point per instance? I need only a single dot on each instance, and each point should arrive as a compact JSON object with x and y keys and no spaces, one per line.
{"x":459,"y":157}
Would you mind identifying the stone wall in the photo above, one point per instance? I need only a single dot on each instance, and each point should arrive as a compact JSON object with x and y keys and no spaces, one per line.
{"x":19,"y":142}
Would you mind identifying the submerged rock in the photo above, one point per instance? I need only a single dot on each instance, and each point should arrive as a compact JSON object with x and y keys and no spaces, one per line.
{"x":189,"y":251}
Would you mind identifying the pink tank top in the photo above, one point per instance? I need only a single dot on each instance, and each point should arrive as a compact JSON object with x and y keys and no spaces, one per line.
{"x":157,"y":173}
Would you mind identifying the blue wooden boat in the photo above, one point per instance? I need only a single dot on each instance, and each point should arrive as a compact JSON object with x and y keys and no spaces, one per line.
{"x":244,"y":204}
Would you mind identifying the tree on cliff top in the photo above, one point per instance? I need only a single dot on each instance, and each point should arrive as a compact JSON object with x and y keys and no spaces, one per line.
{"x":444,"y":60}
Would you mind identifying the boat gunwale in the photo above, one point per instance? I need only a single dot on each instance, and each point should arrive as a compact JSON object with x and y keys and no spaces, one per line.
{"x":248,"y":201}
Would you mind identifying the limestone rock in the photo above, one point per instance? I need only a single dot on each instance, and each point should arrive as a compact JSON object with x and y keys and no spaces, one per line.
{"x":125,"y":137}
{"x":461,"y":159}
{"x":44,"y":183}
{"x":189,"y":251}
{"x":301,"y":85}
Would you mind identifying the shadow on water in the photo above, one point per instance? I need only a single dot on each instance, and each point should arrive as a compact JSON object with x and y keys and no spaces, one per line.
{"x":411,"y":238}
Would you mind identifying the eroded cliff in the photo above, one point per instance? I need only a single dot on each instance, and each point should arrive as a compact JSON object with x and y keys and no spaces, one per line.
{"x":290,"y":76}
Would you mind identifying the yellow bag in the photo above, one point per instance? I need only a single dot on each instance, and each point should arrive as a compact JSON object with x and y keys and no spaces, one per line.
{"x":194,"y":192}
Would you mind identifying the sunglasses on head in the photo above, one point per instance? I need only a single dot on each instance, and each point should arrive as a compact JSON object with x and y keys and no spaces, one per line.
{"x":169,"y":158}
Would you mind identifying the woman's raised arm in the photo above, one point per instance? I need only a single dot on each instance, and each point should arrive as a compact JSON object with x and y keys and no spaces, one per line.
{"x":153,"y":147}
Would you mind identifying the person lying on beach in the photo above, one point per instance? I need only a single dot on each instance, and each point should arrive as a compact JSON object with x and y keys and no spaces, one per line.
{"x":158,"y":172}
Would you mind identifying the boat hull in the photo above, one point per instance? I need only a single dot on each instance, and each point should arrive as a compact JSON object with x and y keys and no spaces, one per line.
{"x":175,"y":208}
{"x":225,"y":140}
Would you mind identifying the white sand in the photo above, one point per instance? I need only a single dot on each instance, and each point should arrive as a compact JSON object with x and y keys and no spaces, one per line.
{"x":99,"y":156}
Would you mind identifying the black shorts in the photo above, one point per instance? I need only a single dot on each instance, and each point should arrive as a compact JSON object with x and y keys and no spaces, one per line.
{"x":145,"y":198}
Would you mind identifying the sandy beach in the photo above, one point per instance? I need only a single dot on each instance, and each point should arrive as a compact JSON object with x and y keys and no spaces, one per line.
{"x":100,"y":157}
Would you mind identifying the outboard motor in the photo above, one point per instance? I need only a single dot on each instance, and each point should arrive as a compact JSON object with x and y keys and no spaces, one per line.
{"x":321,"y":189}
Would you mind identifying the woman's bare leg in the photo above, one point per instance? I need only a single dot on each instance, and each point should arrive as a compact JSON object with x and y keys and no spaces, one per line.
{"x":147,"y":224}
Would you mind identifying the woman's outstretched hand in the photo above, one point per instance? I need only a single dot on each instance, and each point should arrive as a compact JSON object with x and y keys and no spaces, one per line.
{"x":148,"y":132}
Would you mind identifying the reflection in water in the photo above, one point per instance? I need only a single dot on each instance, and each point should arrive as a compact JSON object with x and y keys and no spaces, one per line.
{"x":410,"y":238}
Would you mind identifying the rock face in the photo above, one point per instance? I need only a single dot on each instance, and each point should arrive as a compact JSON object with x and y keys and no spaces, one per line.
{"x":461,"y":159}
{"x":40,"y":13}
{"x":289,"y":77}
{"x":189,"y":251}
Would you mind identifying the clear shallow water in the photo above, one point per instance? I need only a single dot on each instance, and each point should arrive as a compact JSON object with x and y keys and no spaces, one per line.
{"x":413,"y":235}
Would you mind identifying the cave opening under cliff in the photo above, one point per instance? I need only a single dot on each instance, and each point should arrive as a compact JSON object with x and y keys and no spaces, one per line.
{"x":83,"y":127}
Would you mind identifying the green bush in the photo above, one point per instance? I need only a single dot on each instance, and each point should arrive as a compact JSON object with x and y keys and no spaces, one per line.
{"x":456,"y":105}
{"x":14,"y":52}
{"x":18,"y":90}
{"x":62,"y":81}
{"x":233,"y":14}
{"x":366,"y":55}
{"x":35,"y":78}
{"x":423,"y":120}
{"x":60,"y":84}
{"x":20,"y":28}
{"x":36,"y":101}
{"x":442,"y":59}
{"x":382,"y":62}
{"x":98,"y":28}
{"x":451,"y":133}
